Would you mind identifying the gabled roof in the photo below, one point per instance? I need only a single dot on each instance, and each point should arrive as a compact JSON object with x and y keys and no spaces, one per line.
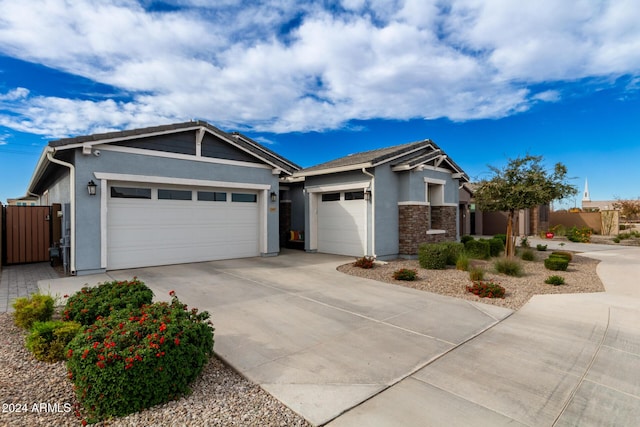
{"x":401,"y":157}
{"x":241,"y":141}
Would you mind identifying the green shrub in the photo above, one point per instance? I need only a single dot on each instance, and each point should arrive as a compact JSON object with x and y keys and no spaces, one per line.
{"x":433,"y":256}
{"x":556,"y":264}
{"x":90,"y":302}
{"x":510,"y":267}
{"x":47,"y":340}
{"x":496,"y":247}
{"x":580,"y":235}
{"x":486,"y":289}
{"x":34,"y":308}
{"x":476,"y":273}
{"x":454,"y":249}
{"x":465,"y":239}
{"x":562,"y":254}
{"x":559,"y":230}
{"x":364,"y":262}
{"x":480,"y":249}
{"x":524,"y":242}
{"x":462,"y":263}
{"x":541,"y":248}
{"x":616,"y":240}
{"x":554,"y":280}
{"x":502,"y":238}
{"x":405,"y":274}
{"x":139,"y":357}
{"x":527,"y":255}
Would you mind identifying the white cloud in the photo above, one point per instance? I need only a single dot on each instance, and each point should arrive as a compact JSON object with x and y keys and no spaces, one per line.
{"x":547,"y":96}
{"x":14,"y":94}
{"x":280,"y":66}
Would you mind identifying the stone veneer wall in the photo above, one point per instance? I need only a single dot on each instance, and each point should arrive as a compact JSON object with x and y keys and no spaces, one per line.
{"x":444,"y":218}
{"x":413,"y":221}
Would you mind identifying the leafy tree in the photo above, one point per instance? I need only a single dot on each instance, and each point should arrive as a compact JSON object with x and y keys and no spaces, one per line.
{"x":629,"y":209}
{"x":522,"y":184}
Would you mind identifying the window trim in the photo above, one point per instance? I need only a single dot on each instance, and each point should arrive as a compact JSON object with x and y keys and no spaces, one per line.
{"x":113,"y":188}
{"x":235,"y":199}
{"x":169,"y":191}
{"x":332,"y":194}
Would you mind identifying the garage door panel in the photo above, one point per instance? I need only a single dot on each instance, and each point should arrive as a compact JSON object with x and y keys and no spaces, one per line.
{"x":158,"y":232}
{"x":341,"y":227}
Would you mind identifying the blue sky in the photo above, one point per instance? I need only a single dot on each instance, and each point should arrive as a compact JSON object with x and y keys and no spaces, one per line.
{"x":486,"y":80}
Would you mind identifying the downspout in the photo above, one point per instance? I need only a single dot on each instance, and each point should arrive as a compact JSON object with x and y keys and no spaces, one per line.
{"x":72,"y":197}
{"x":373,"y":211}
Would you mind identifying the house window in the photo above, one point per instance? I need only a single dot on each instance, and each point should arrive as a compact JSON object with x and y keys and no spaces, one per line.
{"x":212,"y":196}
{"x":175,"y":195}
{"x":354,"y":195}
{"x":244,"y":197}
{"x":435,"y":194}
{"x":130,"y":193}
{"x":331,"y":197}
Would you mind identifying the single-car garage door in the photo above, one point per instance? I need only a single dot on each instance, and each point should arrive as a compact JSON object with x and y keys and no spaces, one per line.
{"x":149,"y":226}
{"x":342,"y":221}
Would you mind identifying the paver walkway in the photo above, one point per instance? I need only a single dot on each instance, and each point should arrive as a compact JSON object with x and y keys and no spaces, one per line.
{"x":21,"y":280}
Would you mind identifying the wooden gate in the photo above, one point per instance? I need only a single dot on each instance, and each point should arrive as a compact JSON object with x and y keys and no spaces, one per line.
{"x":27,"y":233}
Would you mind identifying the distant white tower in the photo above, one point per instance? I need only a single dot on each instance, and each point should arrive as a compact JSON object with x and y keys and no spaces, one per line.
{"x":585,"y":196}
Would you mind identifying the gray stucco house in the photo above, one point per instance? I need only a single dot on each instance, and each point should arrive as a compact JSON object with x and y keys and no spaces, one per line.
{"x":171,"y":194}
{"x":190,"y":192}
{"x":382,"y":203}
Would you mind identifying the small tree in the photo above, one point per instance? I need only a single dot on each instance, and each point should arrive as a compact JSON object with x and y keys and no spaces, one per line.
{"x":629,"y":209}
{"x":522,"y":184}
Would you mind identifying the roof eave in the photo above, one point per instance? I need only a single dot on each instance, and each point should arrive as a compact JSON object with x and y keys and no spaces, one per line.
{"x":325,"y":171}
{"x":41,"y":166}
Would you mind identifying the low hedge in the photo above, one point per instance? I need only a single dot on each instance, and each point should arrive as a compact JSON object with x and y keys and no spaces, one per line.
{"x":496,"y":246}
{"x":137,"y":358}
{"x":47,"y":340}
{"x":34,"y":308}
{"x":90,"y":302}
{"x":556,"y":263}
{"x":454,"y":250}
{"x":433,"y":256}
{"x":480,"y":249}
{"x":562,"y":254}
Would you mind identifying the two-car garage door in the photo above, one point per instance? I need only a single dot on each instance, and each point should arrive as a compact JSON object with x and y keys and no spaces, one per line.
{"x":159,"y":225}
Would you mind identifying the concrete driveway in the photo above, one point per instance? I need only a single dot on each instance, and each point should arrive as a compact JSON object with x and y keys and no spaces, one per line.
{"x":319,"y":341}
{"x":350,"y":352}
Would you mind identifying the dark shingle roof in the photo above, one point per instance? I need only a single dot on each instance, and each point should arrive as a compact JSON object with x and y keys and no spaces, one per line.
{"x":403,"y":157}
{"x":242,"y":140}
{"x":372,"y":157}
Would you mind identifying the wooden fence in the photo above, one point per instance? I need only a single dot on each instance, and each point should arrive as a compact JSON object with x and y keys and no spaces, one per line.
{"x":27,"y":233}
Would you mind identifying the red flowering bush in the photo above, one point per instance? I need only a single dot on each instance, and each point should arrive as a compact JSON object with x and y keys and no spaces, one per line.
{"x":139,"y":357}
{"x":486,"y":289}
{"x":90,"y":302}
{"x":364,"y":262}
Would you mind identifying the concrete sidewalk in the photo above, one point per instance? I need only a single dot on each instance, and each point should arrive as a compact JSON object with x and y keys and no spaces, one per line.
{"x":560,"y":360}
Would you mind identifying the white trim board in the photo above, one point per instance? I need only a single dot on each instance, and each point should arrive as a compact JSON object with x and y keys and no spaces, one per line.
{"x":178,"y":181}
{"x":338,"y":187}
{"x":178,"y":156}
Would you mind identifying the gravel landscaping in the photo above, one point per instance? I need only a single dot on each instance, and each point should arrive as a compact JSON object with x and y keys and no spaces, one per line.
{"x":580,"y":277}
{"x":220,"y":396}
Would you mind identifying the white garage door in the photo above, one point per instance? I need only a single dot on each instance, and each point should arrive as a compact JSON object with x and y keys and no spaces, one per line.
{"x":149,"y":226}
{"x":342,"y":221}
